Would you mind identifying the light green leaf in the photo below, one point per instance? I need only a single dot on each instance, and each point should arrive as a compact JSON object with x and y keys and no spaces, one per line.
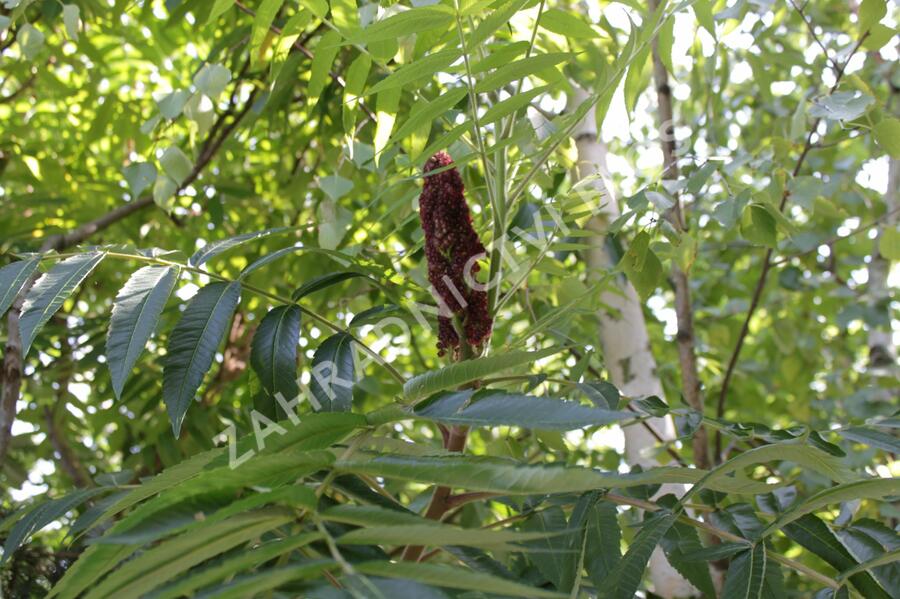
{"x":519,"y":69}
{"x":887,"y":135}
{"x":51,"y":290}
{"x":566,"y":24}
{"x":758,"y":226}
{"x":139,"y":176}
{"x":870,"y":12}
{"x":424,"y":111}
{"x":419,"y":68}
{"x":889,"y":243}
{"x":386,"y":105}
{"x":163,"y":191}
{"x":335,"y":186}
{"x":323,"y":56}
{"x":135,"y":313}
{"x":171,"y":558}
{"x":13,"y":277}
{"x":456,"y":375}
{"x":212,"y":79}
{"x":171,"y":105}
{"x":193,"y":343}
{"x":242,"y":562}
{"x":415,"y":20}
{"x":642,"y":266}
{"x":219,"y":8}
{"x":355,"y":82}
{"x":455,"y":578}
{"x":843,"y":106}
{"x":510,"y":105}
{"x":31,"y":40}
{"x":176,"y":164}
{"x":71,"y":17}
{"x":872,"y":436}
{"x":265,"y":14}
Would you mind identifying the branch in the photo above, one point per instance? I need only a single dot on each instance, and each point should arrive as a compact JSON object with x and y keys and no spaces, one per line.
{"x":13,"y":95}
{"x":767,"y":260}
{"x":687,"y":353}
{"x":11,"y":374}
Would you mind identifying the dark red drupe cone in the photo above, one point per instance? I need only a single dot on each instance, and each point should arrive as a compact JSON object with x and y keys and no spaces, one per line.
{"x":451,"y":244}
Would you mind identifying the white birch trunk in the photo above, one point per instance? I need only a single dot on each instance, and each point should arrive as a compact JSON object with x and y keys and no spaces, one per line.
{"x":882,"y":352}
{"x":625,"y":342}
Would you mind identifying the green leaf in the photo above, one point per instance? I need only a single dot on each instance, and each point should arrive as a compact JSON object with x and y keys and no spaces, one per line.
{"x":212,"y":79}
{"x":510,"y":477}
{"x":13,"y":277}
{"x":140,"y":176}
{"x":566,"y":24}
{"x":641,"y":265}
{"x":418,"y":69}
{"x":175,"y":556}
{"x":841,"y":106}
{"x":323,"y":282}
{"x":889,"y":243}
{"x":262,"y":583}
{"x":746,"y":574}
{"x":717,"y":552}
{"x":519,"y":69}
{"x":273,"y":353}
{"x":884,"y":559}
{"x":243,"y":562}
{"x":42,"y":515}
{"x":193,"y":343}
{"x":866,"y":548}
{"x":135,"y":313}
{"x":625,"y":578}
{"x":355,"y":82}
{"x":871,"y":436}
{"x":176,"y":164}
{"x":458,"y":374}
{"x":424,"y":111}
{"x":387,"y":103}
{"x":604,"y":541}
{"x":497,"y":19}
{"x":681,"y":543}
{"x":635,"y":79}
{"x":265,"y":14}
{"x":163,"y":190}
{"x":213,"y":249}
{"x":511,"y":105}
{"x":815,"y":536}
{"x":870,"y":12}
{"x":31,"y":40}
{"x":437,"y":535}
{"x":324,"y":55}
{"x":71,"y":17}
{"x":50,"y":292}
{"x":219,"y":8}
{"x":334,"y":374}
{"x":875,"y":488}
{"x":758,"y":226}
{"x":416,"y":20}
{"x":498,"y":408}
{"x":454,"y":578}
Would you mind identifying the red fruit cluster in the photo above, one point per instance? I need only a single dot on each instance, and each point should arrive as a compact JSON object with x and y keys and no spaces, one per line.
{"x":450,"y":243}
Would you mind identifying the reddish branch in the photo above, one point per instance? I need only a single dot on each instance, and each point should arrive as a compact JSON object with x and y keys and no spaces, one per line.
{"x":687,"y":354}
{"x":767,"y":260}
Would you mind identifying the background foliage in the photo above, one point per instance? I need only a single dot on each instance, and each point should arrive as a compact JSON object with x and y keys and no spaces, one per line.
{"x":260,"y":161}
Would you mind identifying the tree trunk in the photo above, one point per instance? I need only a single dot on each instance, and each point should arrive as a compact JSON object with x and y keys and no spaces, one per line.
{"x":625,"y":342}
{"x":882,"y":352}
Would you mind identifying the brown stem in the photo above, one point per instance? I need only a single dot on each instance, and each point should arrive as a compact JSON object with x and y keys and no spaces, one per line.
{"x":767,"y":260}
{"x":687,"y":353}
{"x":440,"y":500}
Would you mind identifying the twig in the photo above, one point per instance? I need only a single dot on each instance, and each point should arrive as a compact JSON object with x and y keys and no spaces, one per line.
{"x":684,"y":311}
{"x":767,"y":260}
{"x":13,"y":95}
